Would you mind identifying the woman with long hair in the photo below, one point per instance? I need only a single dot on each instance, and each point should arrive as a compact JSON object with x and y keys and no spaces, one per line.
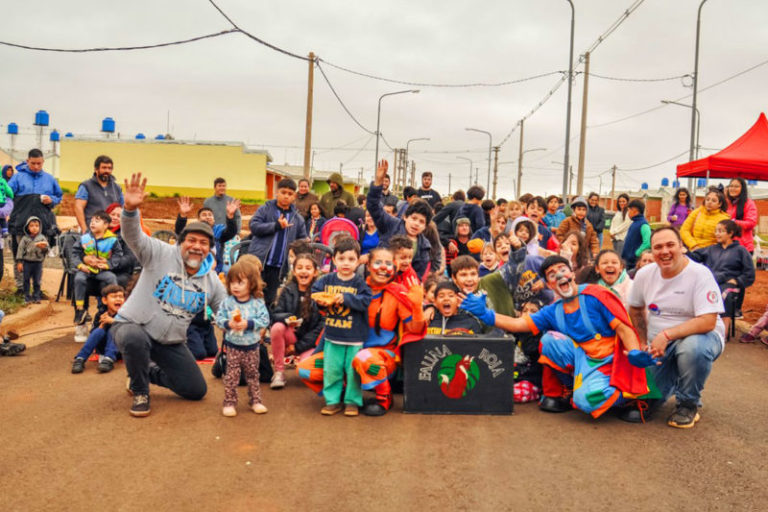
{"x":743,"y":211}
{"x":576,"y":250}
{"x":698,"y":230}
{"x":620,"y":223}
{"x":680,"y":208}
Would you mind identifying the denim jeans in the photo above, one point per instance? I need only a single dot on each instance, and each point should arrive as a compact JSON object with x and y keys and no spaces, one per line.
{"x":686,"y":366}
{"x":99,"y":337}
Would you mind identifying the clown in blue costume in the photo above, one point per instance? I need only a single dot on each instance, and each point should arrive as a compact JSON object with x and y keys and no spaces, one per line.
{"x":587,"y":334}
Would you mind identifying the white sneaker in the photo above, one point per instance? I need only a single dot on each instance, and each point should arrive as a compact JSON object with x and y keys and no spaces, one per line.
{"x":53,"y":252}
{"x":278,"y":381}
{"x":229,"y":411}
{"x":81,"y":333}
{"x":259,"y":408}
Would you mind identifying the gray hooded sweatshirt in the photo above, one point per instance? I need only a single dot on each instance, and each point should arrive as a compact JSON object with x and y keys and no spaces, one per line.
{"x":166,"y":298}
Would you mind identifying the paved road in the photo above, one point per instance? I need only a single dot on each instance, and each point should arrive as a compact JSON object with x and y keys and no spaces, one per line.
{"x":69,"y":444}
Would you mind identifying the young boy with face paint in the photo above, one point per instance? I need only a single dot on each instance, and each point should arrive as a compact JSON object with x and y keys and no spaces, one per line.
{"x":586,"y":335}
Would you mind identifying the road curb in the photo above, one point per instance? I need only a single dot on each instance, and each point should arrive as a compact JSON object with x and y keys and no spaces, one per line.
{"x":27,"y":315}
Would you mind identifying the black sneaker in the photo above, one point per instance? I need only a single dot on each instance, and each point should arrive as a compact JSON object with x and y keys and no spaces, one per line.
{"x":12,"y":349}
{"x":140,"y":407}
{"x":78,"y":365}
{"x":106,"y":365}
{"x":639,"y":411}
{"x":551,"y":404}
{"x":79,"y":316}
{"x":685,"y":416}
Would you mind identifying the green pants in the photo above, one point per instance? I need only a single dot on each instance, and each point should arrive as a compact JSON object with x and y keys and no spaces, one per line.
{"x":337,"y":359}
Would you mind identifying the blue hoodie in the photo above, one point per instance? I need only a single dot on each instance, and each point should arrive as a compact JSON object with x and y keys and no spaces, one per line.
{"x":26,"y":182}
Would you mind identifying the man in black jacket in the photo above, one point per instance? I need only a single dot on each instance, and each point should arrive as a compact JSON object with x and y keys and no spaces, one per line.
{"x":426,"y":192}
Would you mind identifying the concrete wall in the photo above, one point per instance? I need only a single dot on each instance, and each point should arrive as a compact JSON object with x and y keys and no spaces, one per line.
{"x":171,"y":167}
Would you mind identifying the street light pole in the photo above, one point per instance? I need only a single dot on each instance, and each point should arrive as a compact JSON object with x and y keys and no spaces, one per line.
{"x":694,"y":114}
{"x":378,"y":120}
{"x":568,"y":111}
{"x":490,"y":146}
{"x":470,"y":167}
{"x":520,"y":168}
{"x":407,"y":154}
{"x":695,"y":151}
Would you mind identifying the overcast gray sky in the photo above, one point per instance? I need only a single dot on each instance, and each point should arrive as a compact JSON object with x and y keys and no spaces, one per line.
{"x":232,"y":88}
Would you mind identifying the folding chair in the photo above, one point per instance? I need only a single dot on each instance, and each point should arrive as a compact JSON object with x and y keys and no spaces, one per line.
{"x":238,"y":250}
{"x":66,"y":243}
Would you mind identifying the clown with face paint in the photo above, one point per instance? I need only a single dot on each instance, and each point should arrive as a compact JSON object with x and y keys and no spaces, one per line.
{"x":587,"y":333}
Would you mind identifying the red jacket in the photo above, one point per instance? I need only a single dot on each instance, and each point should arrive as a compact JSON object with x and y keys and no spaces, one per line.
{"x":747,"y":224}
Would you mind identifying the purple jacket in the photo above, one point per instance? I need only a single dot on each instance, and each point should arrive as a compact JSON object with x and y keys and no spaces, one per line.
{"x":681,"y":211}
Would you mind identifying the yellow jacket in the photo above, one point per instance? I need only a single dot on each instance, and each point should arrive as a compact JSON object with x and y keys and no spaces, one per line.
{"x":698,"y":230}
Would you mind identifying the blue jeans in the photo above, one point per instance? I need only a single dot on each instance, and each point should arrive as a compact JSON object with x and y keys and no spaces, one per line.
{"x":686,"y":366}
{"x":98,"y":337}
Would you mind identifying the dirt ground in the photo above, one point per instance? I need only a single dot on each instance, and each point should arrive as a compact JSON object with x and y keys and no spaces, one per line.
{"x":69,"y":444}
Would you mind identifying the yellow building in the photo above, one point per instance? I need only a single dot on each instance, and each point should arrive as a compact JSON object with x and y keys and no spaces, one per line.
{"x":171,"y":166}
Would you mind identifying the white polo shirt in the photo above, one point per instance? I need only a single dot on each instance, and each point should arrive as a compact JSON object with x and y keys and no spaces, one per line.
{"x":669,"y":302}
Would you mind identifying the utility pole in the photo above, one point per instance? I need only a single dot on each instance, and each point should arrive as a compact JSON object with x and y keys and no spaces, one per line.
{"x":477,"y":173}
{"x":402,"y":164}
{"x":520,"y":161}
{"x":495,"y":170}
{"x":613,"y":187}
{"x":413,"y":173}
{"x":341,"y":168}
{"x":583,"y":137}
{"x":308,"y":130}
{"x":393,"y":180}
{"x":570,"y":181}
{"x":449,"y":183}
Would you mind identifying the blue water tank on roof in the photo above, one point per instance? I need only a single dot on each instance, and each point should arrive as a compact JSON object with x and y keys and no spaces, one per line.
{"x":69,"y":135}
{"x":160,"y":137}
{"x":42,"y":118}
{"x":141,"y":136}
{"x":13,"y":129}
{"x":676,"y":184}
{"x":752,"y":182}
{"x":701,"y":183}
{"x":664,"y":182}
{"x":55,"y":136}
{"x":108,"y":125}
{"x":644,"y":186}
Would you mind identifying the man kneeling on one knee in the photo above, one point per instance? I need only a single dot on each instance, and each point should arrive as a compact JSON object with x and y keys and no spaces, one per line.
{"x":587,"y":335}
{"x":176,"y":283}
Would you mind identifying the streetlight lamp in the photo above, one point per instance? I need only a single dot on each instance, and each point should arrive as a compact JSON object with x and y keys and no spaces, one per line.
{"x":568,"y":111}
{"x":470,"y":167}
{"x":520,"y":168}
{"x":378,"y":121}
{"x":407,"y":154}
{"x":697,"y":116}
{"x":490,"y":145}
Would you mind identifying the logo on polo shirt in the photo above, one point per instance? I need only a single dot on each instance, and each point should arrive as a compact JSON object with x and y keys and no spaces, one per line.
{"x":654,"y":309}
{"x":711,"y":296}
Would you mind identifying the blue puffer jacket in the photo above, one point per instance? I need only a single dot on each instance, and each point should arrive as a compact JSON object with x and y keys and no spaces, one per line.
{"x":26,"y":182}
{"x":264,"y":227}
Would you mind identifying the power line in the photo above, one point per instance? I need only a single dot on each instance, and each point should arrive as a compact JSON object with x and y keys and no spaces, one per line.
{"x":625,"y":79}
{"x":120,"y":48}
{"x":654,"y":165}
{"x":349,"y":113}
{"x":258,"y":40}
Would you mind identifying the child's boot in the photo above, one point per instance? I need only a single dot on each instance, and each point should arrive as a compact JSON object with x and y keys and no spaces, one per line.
{"x":78,"y":365}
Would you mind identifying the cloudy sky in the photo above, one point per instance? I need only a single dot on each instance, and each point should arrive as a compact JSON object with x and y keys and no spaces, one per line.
{"x":232,"y":88}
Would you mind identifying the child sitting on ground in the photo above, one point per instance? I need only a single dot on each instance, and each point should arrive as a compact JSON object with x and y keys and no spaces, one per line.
{"x":243,"y":315}
{"x":343,"y":298}
{"x":754,"y":333}
{"x":449,"y":320}
{"x":100,"y":339}
{"x":94,"y":257}
{"x":527,"y":387}
{"x":297,"y":323}
{"x":402,"y":249}
{"x":32,"y":250}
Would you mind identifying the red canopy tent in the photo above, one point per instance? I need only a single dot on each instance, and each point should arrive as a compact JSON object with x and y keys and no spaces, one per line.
{"x":747,"y":157}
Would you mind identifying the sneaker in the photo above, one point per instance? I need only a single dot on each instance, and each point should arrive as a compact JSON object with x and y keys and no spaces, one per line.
{"x":330,"y":410}
{"x":12,"y":349}
{"x":747,"y":338}
{"x":553,"y":404}
{"x":351,"y":410}
{"x":106,"y":365}
{"x":79,"y":316}
{"x":140,"y":407}
{"x":259,"y":408}
{"x":278,"y":381}
{"x":685,"y":416}
{"x":81,"y":333}
{"x":764,"y":341}
{"x":78,"y":365}
{"x":374,"y":409}
{"x":229,"y":411}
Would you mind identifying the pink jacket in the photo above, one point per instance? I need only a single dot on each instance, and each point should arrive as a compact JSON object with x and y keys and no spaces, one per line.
{"x":747,"y":224}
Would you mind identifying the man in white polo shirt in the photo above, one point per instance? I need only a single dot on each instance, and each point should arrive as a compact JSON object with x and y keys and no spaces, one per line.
{"x":675,"y":304}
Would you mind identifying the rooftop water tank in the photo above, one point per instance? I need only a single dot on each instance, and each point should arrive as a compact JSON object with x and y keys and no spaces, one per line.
{"x":752,"y":182}
{"x":108,"y":125}
{"x":141,"y":136}
{"x":55,"y":136}
{"x":701,"y":183}
{"x":676,"y":184}
{"x":160,"y":137}
{"x":69,"y":135}
{"x":644,"y":186}
{"x":664,"y":182}
{"x":42,"y":118}
{"x":13,"y":129}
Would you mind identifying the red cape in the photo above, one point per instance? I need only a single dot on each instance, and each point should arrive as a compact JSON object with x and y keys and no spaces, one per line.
{"x":399,"y":291}
{"x":624,"y":376}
